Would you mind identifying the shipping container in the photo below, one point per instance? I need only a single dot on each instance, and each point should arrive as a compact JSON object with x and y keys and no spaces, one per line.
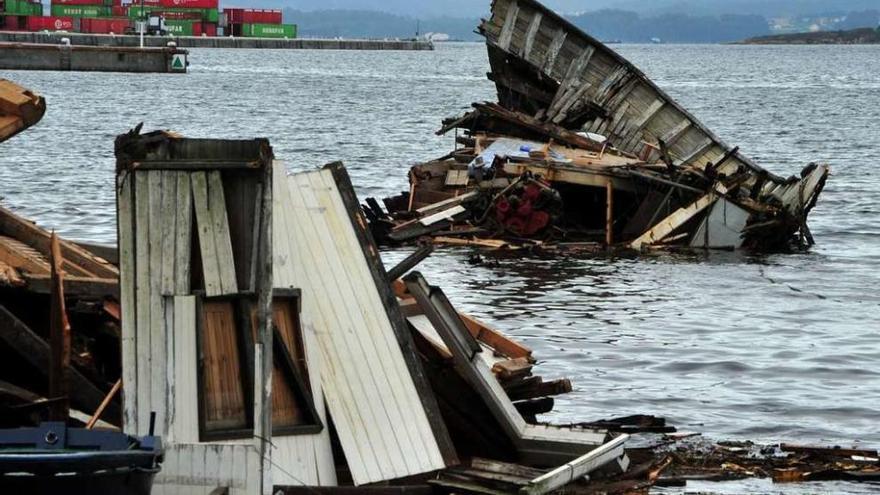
{"x":268,"y":30}
{"x":253,"y":16}
{"x":187,"y":4}
{"x":179,"y":28}
{"x":119,"y":11}
{"x":105,"y":3}
{"x":92,"y":11}
{"x":206,"y":15}
{"x":106,"y":26}
{"x":49,"y":23}
{"x":23,"y":8}
{"x":12,"y":23}
{"x":204,"y":29}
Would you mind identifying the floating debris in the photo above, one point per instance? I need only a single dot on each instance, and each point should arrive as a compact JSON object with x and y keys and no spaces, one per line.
{"x":583,"y":151}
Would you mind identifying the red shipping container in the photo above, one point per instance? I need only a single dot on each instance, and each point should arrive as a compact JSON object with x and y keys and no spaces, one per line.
{"x":119,"y":11}
{"x":105,"y":26}
{"x":182,"y":4}
{"x":253,"y":16}
{"x":12,"y":24}
{"x":38,"y":23}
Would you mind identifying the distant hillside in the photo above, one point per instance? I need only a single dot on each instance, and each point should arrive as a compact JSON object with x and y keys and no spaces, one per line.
{"x":864,"y":36}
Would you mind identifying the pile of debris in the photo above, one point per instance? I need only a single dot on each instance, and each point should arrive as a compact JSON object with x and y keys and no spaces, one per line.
{"x":37,"y":371}
{"x":583,"y":151}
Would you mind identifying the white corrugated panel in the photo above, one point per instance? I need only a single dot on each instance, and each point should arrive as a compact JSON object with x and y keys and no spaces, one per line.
{"x":382,"y":425}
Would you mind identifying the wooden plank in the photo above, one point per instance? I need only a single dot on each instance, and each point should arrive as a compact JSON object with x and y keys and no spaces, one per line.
{"x":59,"y":337}
{"x":126,"y":236}
{"x":185,"y":424}
{"x":697,"y":152}
{"x":672,"y":222}
{"x":576,"y":469}
{"x":509,"y":25}
{"x":379,"y":443}
{"x":495,"y":339}
{"x":169,"y":234}
{"x":86,"y":288}
{"x":635,"y":133}
{"x":553,"y":51}
{"x":205,"y":228}
{"x":142,"y":294}
{"x":676,"y":132}
{"x":609,"y":214}
{"x":18,"y":228}
{"x":223,"y":241}
{"x":438,"y":432}
{"x":534,"y":27}
{"x":183,"y":236}
{"x":158,"y":345}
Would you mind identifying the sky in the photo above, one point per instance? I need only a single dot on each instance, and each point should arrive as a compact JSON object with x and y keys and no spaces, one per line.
{"x":477,"y":8}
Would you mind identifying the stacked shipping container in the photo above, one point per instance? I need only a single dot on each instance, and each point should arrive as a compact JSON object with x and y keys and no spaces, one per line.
{"x":182,"y":17}
{"x":257,"y":23}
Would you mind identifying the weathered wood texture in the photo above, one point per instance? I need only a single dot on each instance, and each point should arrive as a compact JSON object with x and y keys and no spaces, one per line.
{"x":383,"y":427}
{"x":631,"y":110}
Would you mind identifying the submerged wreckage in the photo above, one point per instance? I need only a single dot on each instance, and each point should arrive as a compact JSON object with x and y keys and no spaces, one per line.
{"x":582,"y":150}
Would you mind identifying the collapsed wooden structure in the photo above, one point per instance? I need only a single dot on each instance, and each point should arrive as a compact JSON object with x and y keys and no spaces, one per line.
{"x":262,"y":332}
{"x":582,"y":149}
{"x":41,"y":375}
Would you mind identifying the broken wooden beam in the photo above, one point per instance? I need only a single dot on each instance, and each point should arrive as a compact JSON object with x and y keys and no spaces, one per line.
{"x":59,"y":337}
{"x":20,"y":338}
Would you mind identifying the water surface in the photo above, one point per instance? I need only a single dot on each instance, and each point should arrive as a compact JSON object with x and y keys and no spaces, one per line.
{"x":736,"y":346}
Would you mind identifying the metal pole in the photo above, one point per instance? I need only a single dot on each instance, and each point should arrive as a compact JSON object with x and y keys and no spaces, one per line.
{"x":143,"y":22}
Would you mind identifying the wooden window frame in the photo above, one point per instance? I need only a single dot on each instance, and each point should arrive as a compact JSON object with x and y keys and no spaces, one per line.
{"x":246,"y":363}
{"x":301,"y":388}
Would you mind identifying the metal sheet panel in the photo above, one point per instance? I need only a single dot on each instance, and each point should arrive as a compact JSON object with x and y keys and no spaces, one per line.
{"x":382,"y":425}
{"x":722,"y":228}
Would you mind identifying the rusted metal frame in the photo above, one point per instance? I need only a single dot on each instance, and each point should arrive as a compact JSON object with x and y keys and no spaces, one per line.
{"x":36,"y":351}
{"x":392,"y":309}
{"x":569,"y":27}
{"x":59,"y":333}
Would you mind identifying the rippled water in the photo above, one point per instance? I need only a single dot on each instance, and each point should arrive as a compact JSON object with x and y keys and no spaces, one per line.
{"x":740,"y":347}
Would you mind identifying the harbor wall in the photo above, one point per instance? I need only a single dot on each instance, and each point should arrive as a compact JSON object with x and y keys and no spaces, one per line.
{"x":215,"y":42}
{"x":26,"y":56}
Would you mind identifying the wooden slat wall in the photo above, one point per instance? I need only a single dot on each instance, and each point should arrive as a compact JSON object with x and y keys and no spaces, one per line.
{"x":382,"y":425}
{"x":524,"y":28}
{"x":159,"y":334}
{"x":212,"y":223}
{"x":198,"y":469}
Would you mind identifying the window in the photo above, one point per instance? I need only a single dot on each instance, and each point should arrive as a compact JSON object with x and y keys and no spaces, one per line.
{"x":227,"y":332}
{"x":293,"y":408}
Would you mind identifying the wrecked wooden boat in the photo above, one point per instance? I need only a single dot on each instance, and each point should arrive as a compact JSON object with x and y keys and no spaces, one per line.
{"x":261,"y":328}
{"x":583,"y":150}
{"x":52,"y":458}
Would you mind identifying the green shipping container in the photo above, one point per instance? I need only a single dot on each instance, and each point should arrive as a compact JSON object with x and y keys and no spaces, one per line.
{"x":207,"y":15}
{"x":22,"y":7}
{"x":80,"y":11}
{"x":179,"y":28}
{"x":268,"y":30}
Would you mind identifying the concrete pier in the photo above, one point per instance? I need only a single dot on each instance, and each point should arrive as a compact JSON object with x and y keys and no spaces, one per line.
{"x":30,"y":56}
{"x":215,"y":42}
